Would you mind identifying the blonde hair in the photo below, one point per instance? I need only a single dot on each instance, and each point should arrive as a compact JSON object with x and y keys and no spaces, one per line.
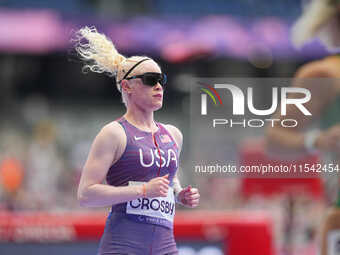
{"x":99,"y":53}
{"x":316,"y":15}
{"x":101,"y":56}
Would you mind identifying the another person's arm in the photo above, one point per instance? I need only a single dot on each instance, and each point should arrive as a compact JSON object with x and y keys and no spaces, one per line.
{"x":322,"y":94}
{"x":106,"y":149}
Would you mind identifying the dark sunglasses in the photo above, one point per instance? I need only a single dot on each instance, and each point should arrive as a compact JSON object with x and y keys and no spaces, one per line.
{"x":151,"y":79}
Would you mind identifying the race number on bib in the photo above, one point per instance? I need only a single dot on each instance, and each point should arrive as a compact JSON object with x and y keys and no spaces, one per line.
{"x":159,"y":207}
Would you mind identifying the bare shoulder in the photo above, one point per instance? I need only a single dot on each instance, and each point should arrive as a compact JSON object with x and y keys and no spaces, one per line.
{"x":111,"y":139}
{"x":112,"y":134}
{"x":324,"y":68}
{"x":332,"y":64}
{"x":176,"y":133}
{"x":328,"y":70}
{"x":173,"y":130}
{"x":113,"y":130}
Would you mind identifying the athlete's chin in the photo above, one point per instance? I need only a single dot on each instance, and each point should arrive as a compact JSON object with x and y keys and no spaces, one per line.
{"x":157,"y":106}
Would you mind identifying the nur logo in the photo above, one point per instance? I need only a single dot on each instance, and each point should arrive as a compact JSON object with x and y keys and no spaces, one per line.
{"x":211,"y":92}
{"x":240,"y":100}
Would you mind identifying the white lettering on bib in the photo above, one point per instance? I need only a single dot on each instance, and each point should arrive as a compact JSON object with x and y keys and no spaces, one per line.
{"x":159,"y":207}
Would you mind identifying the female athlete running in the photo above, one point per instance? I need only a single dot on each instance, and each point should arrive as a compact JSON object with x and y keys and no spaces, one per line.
{"x":137,"y":156}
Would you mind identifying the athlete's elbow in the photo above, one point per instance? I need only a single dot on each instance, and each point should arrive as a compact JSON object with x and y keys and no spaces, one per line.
{"x":83,"y":199}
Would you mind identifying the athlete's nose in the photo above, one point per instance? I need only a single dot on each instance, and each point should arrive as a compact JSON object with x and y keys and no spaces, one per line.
{"x":158,"y":86}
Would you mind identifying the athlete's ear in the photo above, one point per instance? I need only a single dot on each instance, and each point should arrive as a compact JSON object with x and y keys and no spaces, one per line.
{"x":126,"y":86}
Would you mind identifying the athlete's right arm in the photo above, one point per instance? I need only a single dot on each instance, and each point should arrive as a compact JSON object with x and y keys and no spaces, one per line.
{"x":106,"y":149}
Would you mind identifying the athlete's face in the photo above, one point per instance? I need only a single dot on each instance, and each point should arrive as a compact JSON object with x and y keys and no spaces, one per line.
{"x":144,"y":96}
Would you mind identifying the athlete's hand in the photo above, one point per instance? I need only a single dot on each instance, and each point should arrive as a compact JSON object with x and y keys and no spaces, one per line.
{"x":189,"y":197}
{"x":329,"y":140}
{"x":157,"y":187}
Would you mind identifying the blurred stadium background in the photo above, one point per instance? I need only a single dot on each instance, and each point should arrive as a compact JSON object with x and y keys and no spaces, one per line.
{"x":51,"y":112}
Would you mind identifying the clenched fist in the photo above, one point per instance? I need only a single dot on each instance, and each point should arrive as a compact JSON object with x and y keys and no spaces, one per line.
{"x":189,"y":197}
{"x":157,"y":187}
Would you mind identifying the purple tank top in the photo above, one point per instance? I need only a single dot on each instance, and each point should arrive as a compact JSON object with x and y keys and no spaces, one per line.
{"x":142,"y":160}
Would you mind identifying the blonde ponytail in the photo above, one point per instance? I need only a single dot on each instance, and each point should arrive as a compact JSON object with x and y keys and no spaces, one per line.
{"x":99,"y":53}
{"x":101,"y":56}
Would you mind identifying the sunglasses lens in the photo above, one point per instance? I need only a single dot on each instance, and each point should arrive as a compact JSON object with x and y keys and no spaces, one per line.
{"x":153,"y":79}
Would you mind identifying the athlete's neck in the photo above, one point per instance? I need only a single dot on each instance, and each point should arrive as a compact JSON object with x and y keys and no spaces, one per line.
{"x":142,"y":119}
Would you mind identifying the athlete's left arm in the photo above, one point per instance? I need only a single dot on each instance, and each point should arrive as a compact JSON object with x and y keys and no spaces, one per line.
{"x":188,"y":196}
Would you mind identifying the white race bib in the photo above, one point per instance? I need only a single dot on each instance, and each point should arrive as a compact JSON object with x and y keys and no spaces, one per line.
{"x":159,"y":207}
